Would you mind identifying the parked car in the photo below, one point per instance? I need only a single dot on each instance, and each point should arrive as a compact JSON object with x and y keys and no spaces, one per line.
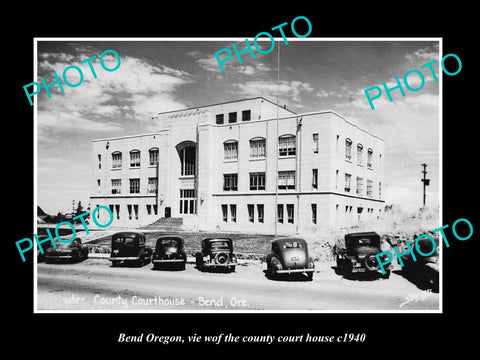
{"x":289,"y":255}
{"x":169,"y":250}
{"x":129,"y":247}
{"x":424,"y":272}
{"x":216,"y":253}
{"x":74,"y":251}
{"x":358,"y":255}
{"x":45,"y":246}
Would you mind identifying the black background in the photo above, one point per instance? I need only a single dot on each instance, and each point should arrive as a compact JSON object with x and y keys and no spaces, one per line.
{"x":387,"y":334}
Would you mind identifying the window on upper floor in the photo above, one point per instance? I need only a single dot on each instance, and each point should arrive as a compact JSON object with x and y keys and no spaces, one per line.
{"x":369,"y":158}
{"x":315,"y":143}
{"x":348,"y":178}
{"x":286,"y":179}
{"x":230,"y":150}
{"x":116,"y":186}
{"x":257,"y":148}
{"x":257,"y":181}
{"x":348,"y":149}
{"x":135,"y":158}
{"x":287,"y":145}
{"x":232,"y":117}
{"x":246,"y":115}
{"x":230,"y":182}
{"x":134,"y":186}
{"x":153,"y":156}
{"x":219,"y":119}
{"x":116,"y":160}
{"x":359,"y":154}
{"x":152,"y":185}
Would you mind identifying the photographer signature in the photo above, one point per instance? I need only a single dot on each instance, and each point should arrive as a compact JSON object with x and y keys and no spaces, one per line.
{"x":421,"y":296}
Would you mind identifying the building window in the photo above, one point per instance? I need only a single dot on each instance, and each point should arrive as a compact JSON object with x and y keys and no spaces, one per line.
{"x":224,"y":213}
{"x":219,"y":119}
{"x":336,"y":179}
{"x":314,"y":213}
{"x":359,"y":186}
{"x":369,"y":188}
{"x":233,"y":212}
{"x":129,"y":208}
{"x":230,"y":150}
{"x":315,"y":178}
{"x":379,"y":190}
{"x":117,"y":209}
{"x":116,"y":160}
{"x":251,"y":212}
{"x":230,"y":182}
{"x":135,"y":158}
{"x":98,"y":186}
{"x":134,"y":186}
{"x":369,"y":158}
{"x":149,"y":209}
{"x":152,"y":185}
{"x":348,"y":178}
{"x":257,"y":148}
{"x":257,"y":181}
{"x":286,"y":179}
{"x":246,"y":114}
{"x":260,"y":210}
{"x":188,"y":201}
{"x":116,"y":186}
{"x":232,"y":117}
{"x":290,"y":214}
{"x":286,"y":145}
{"x":188,"y":160}
{"x":315,"y":143}
{"x":280,"y":213}
{"x":153,"y":156}
{"x":359,"y":154}
{"x":348,"y":149}
{"x":135,"y":210}
{"x":99,"y":161}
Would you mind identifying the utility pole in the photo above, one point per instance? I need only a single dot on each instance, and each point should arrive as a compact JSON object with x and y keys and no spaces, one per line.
{"x":425,"y":181}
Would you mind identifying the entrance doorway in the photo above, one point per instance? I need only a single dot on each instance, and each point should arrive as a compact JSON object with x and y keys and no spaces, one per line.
{"x":168,"y":212}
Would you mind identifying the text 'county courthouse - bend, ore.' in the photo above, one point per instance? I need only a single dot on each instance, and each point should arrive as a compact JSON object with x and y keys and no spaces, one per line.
{"x":233,"y":167}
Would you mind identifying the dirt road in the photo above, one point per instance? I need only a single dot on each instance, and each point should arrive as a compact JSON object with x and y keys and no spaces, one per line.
{"x":94,"y":285}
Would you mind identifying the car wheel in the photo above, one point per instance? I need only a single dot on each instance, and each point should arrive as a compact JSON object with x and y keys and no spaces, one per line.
{"x":370,"y":262}
{"x":198,"y":260}
{"x":75,"y":257}
{"x":340,"y":269}
{"x":310,"y":276}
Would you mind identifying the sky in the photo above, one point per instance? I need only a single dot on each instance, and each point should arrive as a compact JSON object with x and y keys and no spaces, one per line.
{"x":168,"y":74}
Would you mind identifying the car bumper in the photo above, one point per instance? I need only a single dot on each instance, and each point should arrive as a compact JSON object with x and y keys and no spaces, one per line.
{"x":219,"y":265}
{"x":168,"y":260}
{"x":53,"y":257}
{"x":290,"y":271}
{"x":125,"y":258}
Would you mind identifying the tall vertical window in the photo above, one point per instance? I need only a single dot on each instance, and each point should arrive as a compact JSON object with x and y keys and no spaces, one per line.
{"x":257,"y":148}
{"x":315,"y":143}
{"x":286,"y":179}
{"x":290,"y":214}
{"x":98,"y":186}
{"x":116,"y":186}
{"x":116,"y":160}
{"x":246,"y":115}
{"x":369,"y":158}
{"x":225,"y":212}
{"x":257,"y":181}
{"x":336,"y":179}
{"x":135,"y":211}
{"x":149,"y":209}
{"x":315,"y":178}
{"x":135,"y":158}
{"x":99,"y":161}
{"x":230,"y":150}
{"x":369,"y":188}
{"x":129,"y":208}
{"x":230,"y":182}
{"x":117,"y":209}
{"x":359,"y":186}
{"x":280,"y":213}
{"x":379,"y":190}
{"x":219,"y":119}
{"x":188,"y":160}
{"x":232,"y":117}
{"x":314,"y":213}
{"x":360,"y":154}
{"x":188,"y":201}
{"x":287,"y":145}
{"x":348,"y":178}
{"x":260,"y":211}
{"x":134,"y":186}
{"x":348,"y":149}
{"x":251,"y":212}
{"x":152,"y":185}
{"x":233,"y":212}
{"x":153,"y":156}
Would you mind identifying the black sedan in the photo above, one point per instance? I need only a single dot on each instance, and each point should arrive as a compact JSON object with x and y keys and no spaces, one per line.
{"x":289,"y":255}
{"x":169,"y":253}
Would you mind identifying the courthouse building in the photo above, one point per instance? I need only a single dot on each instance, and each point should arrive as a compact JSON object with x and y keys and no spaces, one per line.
{"x":246,"y":165}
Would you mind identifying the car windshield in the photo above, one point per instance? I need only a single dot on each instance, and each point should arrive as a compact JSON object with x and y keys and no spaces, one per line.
{"x":169,"y":242}
{"x":292,"y":245}
{"x":124,"y":240}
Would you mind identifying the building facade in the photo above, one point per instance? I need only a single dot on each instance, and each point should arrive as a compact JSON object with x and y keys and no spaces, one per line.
{"x":244,"y":165}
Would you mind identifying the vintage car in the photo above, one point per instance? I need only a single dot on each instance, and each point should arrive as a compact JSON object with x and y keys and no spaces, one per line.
{"x":358,"y":255}
{"x":129,"y":247}
{"x":169,"y":252}
{"x":45,"y":246}
{"x":424,"y":272}
{"x":289,"y":255}
{"x":73,"y":251}
{"x":217,"y":253}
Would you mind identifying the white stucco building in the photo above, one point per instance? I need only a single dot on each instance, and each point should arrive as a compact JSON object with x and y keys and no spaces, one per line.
{"x":234,"y":167}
